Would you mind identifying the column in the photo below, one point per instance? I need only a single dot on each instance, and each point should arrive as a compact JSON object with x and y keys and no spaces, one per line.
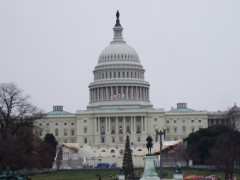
{"x":124,"y":129}
{"x":131,"y":124}
{"x":143,"y":93}
{"x":132,"y":92}
{"x":92,"y":94}
{"x":96,"y":125}
{"x":106,"y":125}
{"x":140,"y":93}
{"x":107,"y":93}
{"x":144,"y":127}
{"x":142,"y":123}
{"x":96,"y":94}
{"x":109,"y":124}
{"x":134,"y":124}
{"x":136,"y":93}
{"x":127,"y":93}
{"x":121,"y":92}
{"x":116,"y":125}
{"x":111,"y":93}
{"x":116,"y":90}
{"x":102,"y":93}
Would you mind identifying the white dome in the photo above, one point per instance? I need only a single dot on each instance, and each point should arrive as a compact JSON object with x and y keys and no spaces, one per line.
{"x":117,"y":52}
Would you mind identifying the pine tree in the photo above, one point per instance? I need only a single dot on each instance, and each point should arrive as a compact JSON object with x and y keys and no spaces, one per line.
{"x":127,"y":166}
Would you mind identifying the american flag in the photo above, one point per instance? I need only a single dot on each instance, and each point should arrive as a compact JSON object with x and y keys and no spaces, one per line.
{"x":116,"y":97}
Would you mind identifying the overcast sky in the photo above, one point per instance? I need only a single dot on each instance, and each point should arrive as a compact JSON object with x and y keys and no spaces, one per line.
{"x":189,"y":49}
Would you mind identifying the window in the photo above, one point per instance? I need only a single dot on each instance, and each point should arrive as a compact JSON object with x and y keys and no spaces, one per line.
{"x":199,"y":120}
{"x":56,"y":132}
{"x":192,"y":129}
{"x":72,"y":132}
{"x":167,"y":121}
{"x":138,"y":129}
{"x":40,"y":124}
{"x":102,"y":130}
{"x":85,"y":120}
{"x":192,"y":121}
{"x":113,"y":140}
{"x":103,"y":140}
{"x":184,"y":129}
{"x":121,"y":152}
{"x":174,"y":121}
{"x":168,"y":130}
{"x":139,"y":139}
{"x":65,"y":132}
{"x":183,"y":121}
{"x":85,"y":130}
{"x":120,"y":130}
{"x":128,"y":129}
{"x":112,"y":151}
{"x":56,"y":124}
{"x":85,"y":140}
{"x":72,"y":123}
{"x":113,"y":130}
{"x":65,"y":124}
{"x":47,"y":124}
{"x":155,"y":119}
{"x":175,"y":129}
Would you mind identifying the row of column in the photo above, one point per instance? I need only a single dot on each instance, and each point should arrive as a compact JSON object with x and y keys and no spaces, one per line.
{"x":123,"y":74}
{"x":119,"y":127}
{"x":119,"y":93}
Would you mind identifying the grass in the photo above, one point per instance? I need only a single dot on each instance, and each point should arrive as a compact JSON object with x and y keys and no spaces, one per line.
{"x":91,"y":174}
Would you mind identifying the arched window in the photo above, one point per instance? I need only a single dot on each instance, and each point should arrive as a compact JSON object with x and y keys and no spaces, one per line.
{"x":112,"y":151}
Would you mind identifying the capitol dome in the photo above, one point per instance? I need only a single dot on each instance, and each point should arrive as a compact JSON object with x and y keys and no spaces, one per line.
{"x":119,"y":77}
{"x":119,"y":51}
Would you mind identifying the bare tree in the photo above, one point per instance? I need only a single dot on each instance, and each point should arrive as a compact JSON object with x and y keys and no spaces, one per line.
{"x":16,"y":112}
{"x":233,"y":118}
{"x":19,"y":145}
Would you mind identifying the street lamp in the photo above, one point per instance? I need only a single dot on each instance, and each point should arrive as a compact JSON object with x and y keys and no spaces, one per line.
{"x":160,"y":133}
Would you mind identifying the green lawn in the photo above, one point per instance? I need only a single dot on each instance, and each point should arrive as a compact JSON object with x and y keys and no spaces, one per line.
{"x":91,"y":174}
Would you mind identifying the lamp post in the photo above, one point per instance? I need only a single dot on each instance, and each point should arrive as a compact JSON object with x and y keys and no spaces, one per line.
{"x":160,"y":133}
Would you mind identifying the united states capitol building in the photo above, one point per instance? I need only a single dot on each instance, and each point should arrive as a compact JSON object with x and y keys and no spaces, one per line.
{"x":119,"y":105}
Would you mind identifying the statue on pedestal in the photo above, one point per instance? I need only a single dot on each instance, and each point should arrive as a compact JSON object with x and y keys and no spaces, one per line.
{"x":149,"y":144}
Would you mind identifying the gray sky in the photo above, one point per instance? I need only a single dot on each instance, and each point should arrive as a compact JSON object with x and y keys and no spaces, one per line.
{"x":190,"y":49}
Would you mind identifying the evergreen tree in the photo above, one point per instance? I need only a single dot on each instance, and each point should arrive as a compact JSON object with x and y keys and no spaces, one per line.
{"x":127,"y":166}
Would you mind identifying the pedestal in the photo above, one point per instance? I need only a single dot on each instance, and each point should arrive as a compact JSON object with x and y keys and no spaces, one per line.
{"x":178,"y":176}
{"x":121,"y":177}
{"x":149,"y":169}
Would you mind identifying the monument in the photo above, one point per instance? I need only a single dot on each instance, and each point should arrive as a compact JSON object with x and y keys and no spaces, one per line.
{"x":149,"y":163}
